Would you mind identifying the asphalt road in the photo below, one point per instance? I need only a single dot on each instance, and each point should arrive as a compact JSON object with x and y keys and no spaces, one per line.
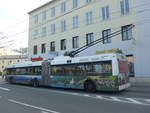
{"x":26,"y":99}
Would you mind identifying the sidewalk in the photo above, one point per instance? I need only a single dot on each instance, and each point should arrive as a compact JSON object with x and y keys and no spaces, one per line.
{"x":140,"y":81}
{"x":1,"y":79}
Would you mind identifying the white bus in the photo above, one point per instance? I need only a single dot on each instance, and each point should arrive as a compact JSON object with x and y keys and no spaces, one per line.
{"x":103,"y":72}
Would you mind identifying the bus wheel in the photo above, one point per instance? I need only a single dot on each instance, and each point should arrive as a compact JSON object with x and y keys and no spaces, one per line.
{"x":35,"y":83}
{"x":11,"y":80}
{"x":89,"y":86}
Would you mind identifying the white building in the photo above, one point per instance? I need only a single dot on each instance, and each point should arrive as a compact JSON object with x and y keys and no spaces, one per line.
{"x":65,"y":25}
{"x":9,"y":56}
{"x":8,"y":51}
{"x":6,"y":60}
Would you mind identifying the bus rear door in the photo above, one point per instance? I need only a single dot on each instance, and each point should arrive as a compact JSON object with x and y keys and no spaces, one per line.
{"x":46,"y":73}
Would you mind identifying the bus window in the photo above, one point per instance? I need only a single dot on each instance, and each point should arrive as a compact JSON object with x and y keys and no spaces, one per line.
{"x":37,"y":71}
{"x":24,"y":71}
{"x":101,"y":68}
{"x":87,"y":69}
{"x":67,"y":70}
{"x":12,"y":71}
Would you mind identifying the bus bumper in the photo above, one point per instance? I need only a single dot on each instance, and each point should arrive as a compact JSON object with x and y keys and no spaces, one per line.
{"x":124,"y":86}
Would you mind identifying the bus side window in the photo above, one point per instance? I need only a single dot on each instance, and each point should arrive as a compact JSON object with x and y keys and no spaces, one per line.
{"x":36,"y":70}
{"x":98,"y":69}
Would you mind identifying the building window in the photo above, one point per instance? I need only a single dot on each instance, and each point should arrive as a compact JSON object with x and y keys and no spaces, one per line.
{"x":36,"y":33}
{"x":63,"y":44}
{"x":126,"y":32}
{"x":63,"y":7}
{"x":63,"y":25}
{"x":53,"y":28}
{"x":89,"y":38}
{"x":36,"y":19}
{"x":75,"y":42}
{"x":53,"y":12}
{"x":43,"y":48}
{"x":44,"y":32}
{"x":52,"y":46}
{"x":75,"y":3}
{"x":105,"y":13}
{"x":88,"y":1}
{"x":75,"y":22}
{"x":124,"y":5}
{"x":35,"y":50}
{"x":106,"y":36}
{"x":44,"y":16}
{"x":89,"y":18}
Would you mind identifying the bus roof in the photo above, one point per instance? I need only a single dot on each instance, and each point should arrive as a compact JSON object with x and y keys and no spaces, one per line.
{"x":25,"y":64}
{"x":60,"y":60}
{"x":69,"y":60}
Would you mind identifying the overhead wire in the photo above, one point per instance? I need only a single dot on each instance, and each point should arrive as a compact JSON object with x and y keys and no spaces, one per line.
{"x":97,"y":18}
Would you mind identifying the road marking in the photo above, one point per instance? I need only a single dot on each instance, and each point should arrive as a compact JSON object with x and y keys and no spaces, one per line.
{"x":103,"y":97}
{"x":32,"y":106}
{"x":147,"y":100}
{"x":86,"y":95}
{"x":138,"y":101}
{"x":115,"y":99}
{"x":44,"y":112}
{"x":5,"y":89}
{"x":73,"y":94}
{"x":134,"y":101}
{"x":98,"y":96}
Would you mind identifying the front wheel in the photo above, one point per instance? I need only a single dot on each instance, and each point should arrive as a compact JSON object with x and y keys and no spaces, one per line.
{"x":89,"y":86}
{"x":11,"y":80}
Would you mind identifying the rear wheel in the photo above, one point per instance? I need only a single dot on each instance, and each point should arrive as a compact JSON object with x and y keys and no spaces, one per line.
{"x":90,"y":86}
{"x":35,"y":83}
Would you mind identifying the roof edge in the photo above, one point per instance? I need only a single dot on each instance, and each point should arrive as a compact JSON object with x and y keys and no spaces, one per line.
{"x":41,"y":6}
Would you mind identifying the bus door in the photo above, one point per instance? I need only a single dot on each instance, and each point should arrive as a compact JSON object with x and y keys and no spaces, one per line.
{"x":46,"y":73}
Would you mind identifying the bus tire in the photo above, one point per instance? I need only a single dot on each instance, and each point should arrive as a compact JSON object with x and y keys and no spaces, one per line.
{"x":35,"y":83}
{"x":11,"y":80}
{"x":90,"y":86}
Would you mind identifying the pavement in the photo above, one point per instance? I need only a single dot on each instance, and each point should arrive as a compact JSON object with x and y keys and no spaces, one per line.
{"x":26,"y":99}
{"x":140,"y":81}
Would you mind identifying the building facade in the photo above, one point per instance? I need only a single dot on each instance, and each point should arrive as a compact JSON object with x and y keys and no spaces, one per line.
{"x":9,"y":56}
{"x":65,"y":25}
{"x":11,"y":59}
{"x":8,"y":51}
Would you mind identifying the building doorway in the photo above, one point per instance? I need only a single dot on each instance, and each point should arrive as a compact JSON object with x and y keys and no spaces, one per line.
{"x":130,"y":59}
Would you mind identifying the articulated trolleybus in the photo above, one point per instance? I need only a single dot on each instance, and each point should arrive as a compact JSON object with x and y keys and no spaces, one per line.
{"x":106,"y":72}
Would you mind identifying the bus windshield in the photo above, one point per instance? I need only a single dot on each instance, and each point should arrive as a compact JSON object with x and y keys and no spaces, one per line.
{"x":123,"y":67}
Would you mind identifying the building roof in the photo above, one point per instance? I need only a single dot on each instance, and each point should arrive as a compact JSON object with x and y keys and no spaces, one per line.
{"x":13,"y":57}
{"x":8,"y":51}
{"x":46,"y":4}
{"x":61,"y":60}
{"x":25,"y":64}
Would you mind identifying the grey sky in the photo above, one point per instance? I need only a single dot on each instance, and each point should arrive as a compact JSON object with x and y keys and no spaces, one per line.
{"x":14,"y":20}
